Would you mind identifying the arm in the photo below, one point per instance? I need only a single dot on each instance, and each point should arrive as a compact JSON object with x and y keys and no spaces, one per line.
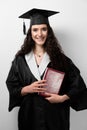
{"x":14,"y":87}
{"x":77,"y":90}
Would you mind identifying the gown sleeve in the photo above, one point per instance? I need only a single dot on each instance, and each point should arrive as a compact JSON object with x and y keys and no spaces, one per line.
{"x":77,"y":88}
{"x":14,"y":86}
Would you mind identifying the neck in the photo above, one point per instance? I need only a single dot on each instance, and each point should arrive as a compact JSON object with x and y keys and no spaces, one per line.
{"x":39,"y":49}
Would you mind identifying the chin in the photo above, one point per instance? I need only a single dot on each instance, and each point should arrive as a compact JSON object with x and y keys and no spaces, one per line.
{"x":40,"y":43}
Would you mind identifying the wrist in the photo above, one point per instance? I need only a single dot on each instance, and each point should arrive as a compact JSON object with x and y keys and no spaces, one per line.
{"x":64,"y":98}
{"x":24,"y":91}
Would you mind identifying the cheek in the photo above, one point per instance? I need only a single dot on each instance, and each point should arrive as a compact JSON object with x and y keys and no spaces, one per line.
{"x":46,"y":34}
{"x":32,"y":35}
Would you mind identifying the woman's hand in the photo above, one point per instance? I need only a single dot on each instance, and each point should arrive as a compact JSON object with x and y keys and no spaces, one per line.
{"x":35,"y":87}
{"x":54,"y":98}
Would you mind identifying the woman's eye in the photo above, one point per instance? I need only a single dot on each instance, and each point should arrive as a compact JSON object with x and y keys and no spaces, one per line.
{"x":44,"y":29}
{"x":35,"y":30}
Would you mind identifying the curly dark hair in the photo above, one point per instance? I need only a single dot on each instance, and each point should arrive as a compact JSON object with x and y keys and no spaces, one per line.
{"x":51,"y":46}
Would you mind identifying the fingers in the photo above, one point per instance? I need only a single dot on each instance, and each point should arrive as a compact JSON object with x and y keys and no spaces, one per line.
{"x":38,"y":86}
{"x":39,"y":89}
{"x":41,"y":83}
{"x":47,"y":94}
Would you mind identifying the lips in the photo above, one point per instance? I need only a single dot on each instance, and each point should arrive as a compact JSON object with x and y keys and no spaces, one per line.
{"x":40,"y":39}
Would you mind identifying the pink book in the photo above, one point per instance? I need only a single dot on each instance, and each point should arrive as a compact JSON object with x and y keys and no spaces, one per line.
{"x":54,"y":80}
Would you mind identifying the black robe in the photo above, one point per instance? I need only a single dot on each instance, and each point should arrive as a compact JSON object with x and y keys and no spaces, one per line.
{"x":36,"y":113}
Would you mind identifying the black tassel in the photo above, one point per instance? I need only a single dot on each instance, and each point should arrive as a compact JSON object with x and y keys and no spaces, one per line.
{"x":24,"y":28}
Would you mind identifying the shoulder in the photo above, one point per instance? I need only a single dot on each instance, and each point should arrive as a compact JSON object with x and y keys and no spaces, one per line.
{"x":18,"y":61}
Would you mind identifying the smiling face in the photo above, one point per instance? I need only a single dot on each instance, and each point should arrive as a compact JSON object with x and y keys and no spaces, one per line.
{"x":39,"y":34}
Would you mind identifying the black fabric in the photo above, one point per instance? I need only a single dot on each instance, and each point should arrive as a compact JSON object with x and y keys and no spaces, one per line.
{"x":33,"y":12}
{"x":38,"y":16}
{"x":37,"y":113}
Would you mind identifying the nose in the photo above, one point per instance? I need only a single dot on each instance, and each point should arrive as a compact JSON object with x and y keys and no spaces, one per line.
{"x":39,"y":33}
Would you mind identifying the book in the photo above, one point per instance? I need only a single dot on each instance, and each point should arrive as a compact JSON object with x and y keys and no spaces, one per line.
{"x":54,"y":80}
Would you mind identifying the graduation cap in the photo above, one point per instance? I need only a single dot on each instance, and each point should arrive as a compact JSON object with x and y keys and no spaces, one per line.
{"x":37,"y":16}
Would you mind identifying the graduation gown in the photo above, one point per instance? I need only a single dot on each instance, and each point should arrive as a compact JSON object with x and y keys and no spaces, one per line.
{"x":36,"y":113}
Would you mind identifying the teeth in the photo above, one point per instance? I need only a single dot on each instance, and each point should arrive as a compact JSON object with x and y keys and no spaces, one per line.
{"x":40,"y":39}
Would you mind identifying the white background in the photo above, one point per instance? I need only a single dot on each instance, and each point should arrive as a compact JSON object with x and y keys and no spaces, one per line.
{"x":70,"y":27}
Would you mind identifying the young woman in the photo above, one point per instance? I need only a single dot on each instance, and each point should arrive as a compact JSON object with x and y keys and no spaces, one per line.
{"x":25,"y":81}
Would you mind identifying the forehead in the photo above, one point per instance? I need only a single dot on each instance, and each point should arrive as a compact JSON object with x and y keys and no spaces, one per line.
{"x":39,"y":26}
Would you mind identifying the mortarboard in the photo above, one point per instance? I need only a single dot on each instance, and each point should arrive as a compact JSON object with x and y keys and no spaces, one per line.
{"x":37,"y":16}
